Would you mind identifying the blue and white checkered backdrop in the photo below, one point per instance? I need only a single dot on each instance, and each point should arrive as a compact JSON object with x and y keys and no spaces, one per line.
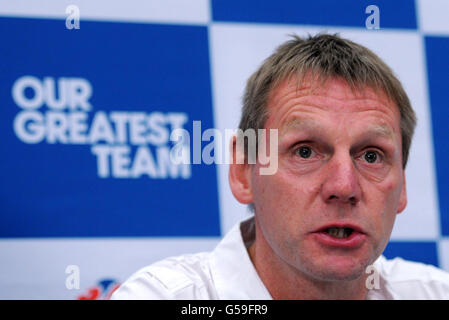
{"x":86,"y":113}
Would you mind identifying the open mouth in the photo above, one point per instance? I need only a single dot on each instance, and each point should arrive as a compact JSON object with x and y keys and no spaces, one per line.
{"x":339,"y":233}
{"x":344,"y":236}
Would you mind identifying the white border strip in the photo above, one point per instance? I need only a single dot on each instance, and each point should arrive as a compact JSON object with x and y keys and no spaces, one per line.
{"x":158,"y":11}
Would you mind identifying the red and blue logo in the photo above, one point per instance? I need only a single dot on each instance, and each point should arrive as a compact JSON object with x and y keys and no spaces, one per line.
{"x":103,"y":290}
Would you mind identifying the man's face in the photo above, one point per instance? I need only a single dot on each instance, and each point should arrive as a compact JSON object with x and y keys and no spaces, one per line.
{"x":329,"y":210}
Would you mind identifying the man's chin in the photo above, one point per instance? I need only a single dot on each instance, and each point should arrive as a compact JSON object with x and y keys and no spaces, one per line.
{"x":338,"y":269}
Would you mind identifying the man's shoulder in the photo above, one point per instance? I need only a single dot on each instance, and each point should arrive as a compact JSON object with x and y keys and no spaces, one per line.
{"x":405,"y":279}
{"x":181,"y":277}
{"x":189,"y":276}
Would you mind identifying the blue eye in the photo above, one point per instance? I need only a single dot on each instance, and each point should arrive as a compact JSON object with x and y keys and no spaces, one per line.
{"x":304,"y":152}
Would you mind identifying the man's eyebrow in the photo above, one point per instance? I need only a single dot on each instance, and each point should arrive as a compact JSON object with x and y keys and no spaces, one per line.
{"x":382,"y":130}
{"x":377,"y":130}
{"x":300,"y":124}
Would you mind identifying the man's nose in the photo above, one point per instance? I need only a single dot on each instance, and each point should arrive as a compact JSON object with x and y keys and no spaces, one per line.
{"x":341,"y":184}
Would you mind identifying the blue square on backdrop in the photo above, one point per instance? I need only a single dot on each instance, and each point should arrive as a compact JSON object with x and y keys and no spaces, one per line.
{"x":393,"y":14}
{"x":437,"y":50}
{"x":52,"y":188}
{"x":418,"y":251}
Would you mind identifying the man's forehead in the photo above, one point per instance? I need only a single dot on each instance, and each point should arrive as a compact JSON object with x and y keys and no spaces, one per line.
{"x":337,"y":89}
{"x":291,"y":99}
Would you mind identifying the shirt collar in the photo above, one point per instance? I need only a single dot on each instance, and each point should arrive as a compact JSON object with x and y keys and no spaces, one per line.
{"x":232,"y":271}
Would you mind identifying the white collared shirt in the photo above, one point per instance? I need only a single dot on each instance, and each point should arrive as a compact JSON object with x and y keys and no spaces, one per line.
{"x":227,"y":273}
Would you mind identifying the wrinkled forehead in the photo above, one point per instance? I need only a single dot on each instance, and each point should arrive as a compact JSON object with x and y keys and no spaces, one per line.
{"x":335,"y":88}
{"x":334,"y":96}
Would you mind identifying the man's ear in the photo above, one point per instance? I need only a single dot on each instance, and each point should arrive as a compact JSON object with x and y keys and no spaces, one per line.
{"x":403,"y":196}
{"x":239,"y":174}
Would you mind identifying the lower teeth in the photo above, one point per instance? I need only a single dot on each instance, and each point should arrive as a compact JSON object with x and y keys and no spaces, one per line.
{"x":339,"y":232}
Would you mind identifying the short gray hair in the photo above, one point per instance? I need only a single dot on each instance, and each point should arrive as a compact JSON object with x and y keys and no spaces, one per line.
{"x":325,"y":56}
